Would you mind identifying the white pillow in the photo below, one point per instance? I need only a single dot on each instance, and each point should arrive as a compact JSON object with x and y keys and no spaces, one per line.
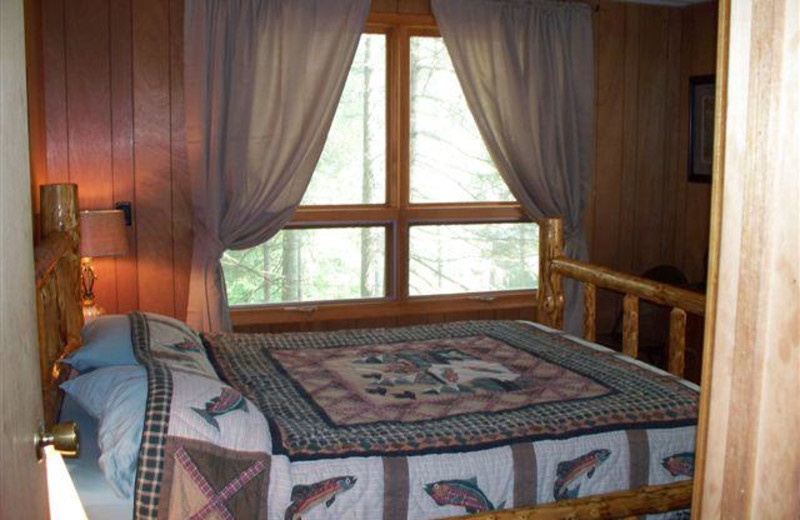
{"x":116,"y":397}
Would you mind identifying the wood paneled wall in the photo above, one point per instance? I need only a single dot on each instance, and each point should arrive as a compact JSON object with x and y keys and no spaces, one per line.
{"x":643,"y":211}
{"x":111,"y":99}
{"x":107,"y":90}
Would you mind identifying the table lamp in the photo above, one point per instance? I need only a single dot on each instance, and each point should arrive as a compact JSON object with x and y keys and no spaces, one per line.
{"x":102,"y":234}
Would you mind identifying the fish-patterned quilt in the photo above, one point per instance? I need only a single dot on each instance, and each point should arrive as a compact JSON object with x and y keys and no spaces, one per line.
{"x":387,"y":424}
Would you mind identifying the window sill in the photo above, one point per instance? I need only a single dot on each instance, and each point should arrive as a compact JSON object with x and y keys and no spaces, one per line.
{"x":246,"y":316}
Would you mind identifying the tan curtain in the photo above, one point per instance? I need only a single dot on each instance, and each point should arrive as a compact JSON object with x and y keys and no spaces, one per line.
{"x":262,"y":81}
{"x":527,"y":71}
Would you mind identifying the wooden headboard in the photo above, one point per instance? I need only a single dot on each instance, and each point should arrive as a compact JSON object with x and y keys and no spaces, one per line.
{"x":58,"y":299}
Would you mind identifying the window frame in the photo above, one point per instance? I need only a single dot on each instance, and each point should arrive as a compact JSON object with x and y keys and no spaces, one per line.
{"x":397,"y":213}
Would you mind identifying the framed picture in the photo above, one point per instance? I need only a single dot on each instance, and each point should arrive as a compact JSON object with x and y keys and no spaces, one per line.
{"x":701,"y":128}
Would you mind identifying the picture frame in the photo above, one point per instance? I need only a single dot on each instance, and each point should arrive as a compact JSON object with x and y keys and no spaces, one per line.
{"x":701,"y":127}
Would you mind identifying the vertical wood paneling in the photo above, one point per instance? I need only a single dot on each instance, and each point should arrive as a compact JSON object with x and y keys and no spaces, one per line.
{"x":674,"y":163}
{"x":55,"y":92}
{"x":649,"y":162}
{"x":35,"y":86}
{"x":152,"y":160}
{"x":181,"y":187}
{"x":120,"y":24}
{"x":645,"y":212}
{"x":89,"y":114}
{"x":696,"y":210}
{"x":609,"y":150}
{"x":630,"y":131}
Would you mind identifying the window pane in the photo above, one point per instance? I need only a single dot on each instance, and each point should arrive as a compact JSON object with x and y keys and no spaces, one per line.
{"x":300,"y":265}
{"x":449,"y":162}
{"x":352,"y":168}
{"x":450,"y":259}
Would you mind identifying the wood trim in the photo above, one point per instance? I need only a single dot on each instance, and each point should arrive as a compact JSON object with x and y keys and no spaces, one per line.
{"x":320,"y":216}
{"x":421,"y":21}
{"x":649,"y":499}
{"x":359,"y":309}
{"x":714,"y":241}
{"x":749,"y":416}
{"x":643,"y":288}
{"x":403,"y":125}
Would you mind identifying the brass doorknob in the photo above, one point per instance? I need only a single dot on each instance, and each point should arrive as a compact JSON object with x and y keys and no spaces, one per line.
{"x":63,"y":437}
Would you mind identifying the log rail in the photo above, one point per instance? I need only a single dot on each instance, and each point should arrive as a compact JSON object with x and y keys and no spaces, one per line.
{"x":554,"y":267}
{"x":620,"y":504}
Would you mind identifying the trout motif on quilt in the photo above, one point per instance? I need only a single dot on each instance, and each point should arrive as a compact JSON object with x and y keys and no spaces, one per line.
{"x":227,"y":401}
{"x":461,"y":493}
{"x":305,"y":497}
{"x":679,"y":464}
{"x":569,"y":473}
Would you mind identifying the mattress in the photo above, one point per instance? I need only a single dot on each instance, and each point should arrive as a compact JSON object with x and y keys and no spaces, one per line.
{"x":97,"y":497}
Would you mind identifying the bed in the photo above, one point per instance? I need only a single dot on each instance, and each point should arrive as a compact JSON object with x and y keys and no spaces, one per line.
{"x":485,"y":418}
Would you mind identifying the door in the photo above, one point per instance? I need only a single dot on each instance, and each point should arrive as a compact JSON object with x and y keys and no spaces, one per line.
{"x":23,"y":488}
{"x":748,"y":463}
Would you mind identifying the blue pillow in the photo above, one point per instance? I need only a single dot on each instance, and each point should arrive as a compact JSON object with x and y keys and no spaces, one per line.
{"x":117,"y":398}
{"x":106,"y":343}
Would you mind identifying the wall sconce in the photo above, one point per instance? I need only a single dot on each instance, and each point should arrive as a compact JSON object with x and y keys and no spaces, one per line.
{"x":102,"y":234}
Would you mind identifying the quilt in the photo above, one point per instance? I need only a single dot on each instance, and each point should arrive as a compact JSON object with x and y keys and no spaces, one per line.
{"x":411,"y":423}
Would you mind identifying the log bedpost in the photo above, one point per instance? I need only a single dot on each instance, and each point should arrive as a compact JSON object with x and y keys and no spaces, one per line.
{"x":59,"y":214}
{"x":550,"y":296}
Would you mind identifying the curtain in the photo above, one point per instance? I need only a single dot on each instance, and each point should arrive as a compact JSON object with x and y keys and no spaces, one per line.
{"x":527,"y":71}
{"x":262,"y":81}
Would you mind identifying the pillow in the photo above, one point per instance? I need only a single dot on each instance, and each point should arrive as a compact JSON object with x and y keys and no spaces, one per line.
{"x":106,"y":343}
{"x":116,"y":397}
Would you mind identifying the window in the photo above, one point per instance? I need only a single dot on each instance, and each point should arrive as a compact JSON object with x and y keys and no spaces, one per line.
{"x":449,"y":162}
{"x":405,"y":203}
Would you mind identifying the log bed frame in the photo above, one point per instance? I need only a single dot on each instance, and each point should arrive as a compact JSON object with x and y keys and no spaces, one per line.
{"x":60,"y":318}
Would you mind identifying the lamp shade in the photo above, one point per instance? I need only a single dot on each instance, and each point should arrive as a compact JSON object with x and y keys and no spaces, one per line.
{"x":103,"y":233}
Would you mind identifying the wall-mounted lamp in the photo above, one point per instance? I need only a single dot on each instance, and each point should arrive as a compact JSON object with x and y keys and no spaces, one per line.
{"x":102,"y":234}
{"x":60,"y":439}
